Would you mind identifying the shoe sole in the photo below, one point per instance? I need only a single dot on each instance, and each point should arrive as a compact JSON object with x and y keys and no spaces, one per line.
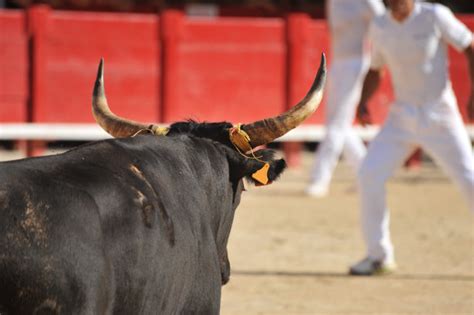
{"x":376,"y":272}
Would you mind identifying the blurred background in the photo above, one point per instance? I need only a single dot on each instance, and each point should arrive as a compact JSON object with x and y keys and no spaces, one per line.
{"x":224,"y":7}
{"x":240,"y":61}
{"x":167,"y":61}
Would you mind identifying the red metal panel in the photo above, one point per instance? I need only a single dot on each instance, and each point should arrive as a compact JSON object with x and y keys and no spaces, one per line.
{"x":74,"y":43}
{"x":317,"y":43}
{"x":230,"y":69}
{"x":13,"y":66}
{"x":172,"y":28}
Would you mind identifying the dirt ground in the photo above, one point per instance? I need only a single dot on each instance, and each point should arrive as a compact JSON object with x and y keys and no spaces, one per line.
{"x":290,"y":253}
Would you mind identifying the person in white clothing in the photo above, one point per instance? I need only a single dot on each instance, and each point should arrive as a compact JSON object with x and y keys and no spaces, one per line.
{"x":348,"y":25}
{"x":411,"y":40}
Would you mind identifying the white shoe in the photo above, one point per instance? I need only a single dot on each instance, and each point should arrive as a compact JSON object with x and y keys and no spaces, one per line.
{"x":317,"y":190}
{"x":369,"y":267}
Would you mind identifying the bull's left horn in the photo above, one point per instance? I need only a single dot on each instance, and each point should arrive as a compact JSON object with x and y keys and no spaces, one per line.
{"x":116,"y":126}
{"x":266,"y":130}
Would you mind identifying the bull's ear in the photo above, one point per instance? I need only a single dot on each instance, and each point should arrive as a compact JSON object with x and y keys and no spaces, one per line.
{"x":261,"y":171}
{"x":269,"y":172}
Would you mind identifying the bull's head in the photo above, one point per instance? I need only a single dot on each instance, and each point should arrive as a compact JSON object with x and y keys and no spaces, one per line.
{"x":235,"y":141}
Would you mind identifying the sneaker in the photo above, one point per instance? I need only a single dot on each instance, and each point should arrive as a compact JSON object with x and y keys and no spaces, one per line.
{"x":317,"y":190}
{"x":369,"y":267}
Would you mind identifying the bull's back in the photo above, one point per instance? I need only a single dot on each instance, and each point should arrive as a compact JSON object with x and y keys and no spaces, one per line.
{"x":113,"y":227}
{"x":50,"y":241}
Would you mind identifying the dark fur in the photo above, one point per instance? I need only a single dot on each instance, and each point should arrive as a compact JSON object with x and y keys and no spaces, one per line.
{"x":123,"y":226}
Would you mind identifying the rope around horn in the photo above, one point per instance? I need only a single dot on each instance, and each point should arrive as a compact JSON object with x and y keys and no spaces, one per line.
{"x":153,"y":129}
{"x":241,"y":141}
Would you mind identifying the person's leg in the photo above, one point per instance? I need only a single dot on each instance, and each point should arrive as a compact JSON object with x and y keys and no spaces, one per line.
{"x":385,"y":153}
{"x":354,"y":150}
{"x":343,"y":93}
{"x":449,"y":145}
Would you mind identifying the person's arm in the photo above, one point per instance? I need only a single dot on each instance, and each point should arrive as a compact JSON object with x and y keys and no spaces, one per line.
{"x":371,"y":84}
{"x":469,"y":53}
{"x":460,"y":37}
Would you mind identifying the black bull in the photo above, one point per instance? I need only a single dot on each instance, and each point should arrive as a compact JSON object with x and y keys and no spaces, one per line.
{"x":137,"y":225}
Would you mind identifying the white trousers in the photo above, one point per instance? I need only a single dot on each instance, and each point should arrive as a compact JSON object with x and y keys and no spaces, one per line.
{"x":438,"y":129}
{"x":345,"y":80}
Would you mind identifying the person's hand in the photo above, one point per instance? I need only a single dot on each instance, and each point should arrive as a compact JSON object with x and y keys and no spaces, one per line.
{"x":470,"y":106}
{"x":363,"y":115}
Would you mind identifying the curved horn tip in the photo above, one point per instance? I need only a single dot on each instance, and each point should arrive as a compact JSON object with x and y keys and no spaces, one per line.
{"x":323,"y":61}
{"x":320,"y":79}
{"x":99,"y":81}
{"x":100,"y":70}
{"x":322,"y":65}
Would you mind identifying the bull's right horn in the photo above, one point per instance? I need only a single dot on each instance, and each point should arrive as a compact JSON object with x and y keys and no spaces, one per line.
{"x":266,"y":130}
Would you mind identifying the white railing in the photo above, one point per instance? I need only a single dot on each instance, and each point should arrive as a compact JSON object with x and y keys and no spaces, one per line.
{"x":90,"y":132}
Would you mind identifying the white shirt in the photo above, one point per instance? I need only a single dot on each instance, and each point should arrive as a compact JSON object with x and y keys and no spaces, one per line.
{"x":415,"y":51}
{"x":349,"y":22}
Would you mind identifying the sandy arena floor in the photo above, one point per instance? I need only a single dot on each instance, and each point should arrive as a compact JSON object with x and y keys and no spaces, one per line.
{"x":290,"y":253}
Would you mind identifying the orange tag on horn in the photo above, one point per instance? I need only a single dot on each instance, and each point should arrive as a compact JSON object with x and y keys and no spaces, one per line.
{"x":261,"y":175}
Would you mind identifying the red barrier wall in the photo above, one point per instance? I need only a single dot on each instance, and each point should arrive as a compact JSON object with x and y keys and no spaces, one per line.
{"x":67,"y":49}
{"x":167,"y":68}
{"x":13,"y":67}
{"x":228,"y":69}
{"x":308,"y":39}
